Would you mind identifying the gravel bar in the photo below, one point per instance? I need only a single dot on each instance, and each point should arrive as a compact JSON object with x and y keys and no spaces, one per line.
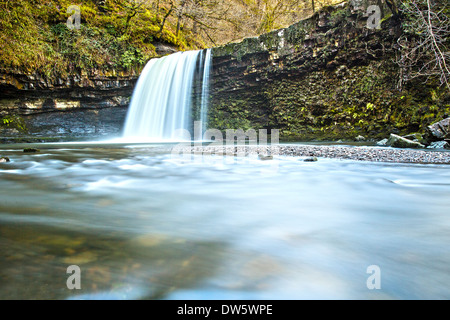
{"x":373,"y":154}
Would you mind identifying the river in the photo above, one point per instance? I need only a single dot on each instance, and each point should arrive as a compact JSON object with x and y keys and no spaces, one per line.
{"x":142,"y":223}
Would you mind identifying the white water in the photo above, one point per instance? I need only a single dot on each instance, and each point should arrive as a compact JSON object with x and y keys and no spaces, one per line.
{"x":162,"y":100}
{"x":205,"y":90}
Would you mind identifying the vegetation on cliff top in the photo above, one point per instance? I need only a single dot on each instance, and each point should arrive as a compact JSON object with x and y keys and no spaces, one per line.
{"x":362,"y":88}
{"x":114,"y":35}
{"x":121,"y":34}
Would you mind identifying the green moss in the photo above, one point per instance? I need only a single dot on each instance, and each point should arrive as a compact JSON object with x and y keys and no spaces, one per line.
{"x":335,"y":105}
{"x":336,"y":15}
{"x":13,"y":121}
{"x":35,"y":37}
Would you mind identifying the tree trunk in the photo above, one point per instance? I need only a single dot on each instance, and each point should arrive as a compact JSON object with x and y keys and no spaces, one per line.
{"x":164,"y":20}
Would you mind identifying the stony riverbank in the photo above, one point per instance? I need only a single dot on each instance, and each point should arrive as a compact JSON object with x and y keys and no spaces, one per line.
{"x":335,"y":152}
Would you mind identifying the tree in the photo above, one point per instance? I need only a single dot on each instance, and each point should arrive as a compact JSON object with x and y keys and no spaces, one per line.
{"x":424,"y":50}
{"x":132,"y":8}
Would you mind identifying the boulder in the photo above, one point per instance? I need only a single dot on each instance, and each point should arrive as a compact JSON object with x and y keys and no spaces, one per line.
{"x":438,"y":145}
{"x":438,"y":131}
{"x":417,"y":137}
{"x":400,"y":142}
{"x":383,"y":143}
{"x":4,"y":160}
{"x":311,"y":159}
{"x":360,"y":139}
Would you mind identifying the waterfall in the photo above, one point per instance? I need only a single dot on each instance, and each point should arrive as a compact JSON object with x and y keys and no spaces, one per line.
{"x":162,"y":100}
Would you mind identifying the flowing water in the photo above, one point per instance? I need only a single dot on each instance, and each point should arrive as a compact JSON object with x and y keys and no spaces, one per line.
{"x":161,"y":105}
{"x":142,"y":223}
{"x":207,"y":64}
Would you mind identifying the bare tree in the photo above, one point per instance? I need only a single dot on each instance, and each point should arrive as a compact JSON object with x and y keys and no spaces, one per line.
{"x":424,"y":45}
{"x":213,"y":22}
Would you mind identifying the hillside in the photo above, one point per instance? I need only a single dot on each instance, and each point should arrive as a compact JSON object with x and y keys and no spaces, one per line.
{"x":125,"y":34}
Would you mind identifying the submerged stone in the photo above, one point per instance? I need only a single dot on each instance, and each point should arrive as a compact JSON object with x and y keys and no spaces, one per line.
{"x":31,"y":150}
{"x":265,"y":158}
{"x":311,"y":159}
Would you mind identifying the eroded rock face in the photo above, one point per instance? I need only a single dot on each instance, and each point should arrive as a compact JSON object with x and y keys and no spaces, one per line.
{"x":64,"y":109}
{"x":328,"y":77}
{"x":15,"y":80}
{"x":94,"y":100}
{"x":30,"y":96}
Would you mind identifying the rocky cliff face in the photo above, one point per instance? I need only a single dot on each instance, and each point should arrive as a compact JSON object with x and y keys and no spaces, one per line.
{"x":76,"y":101}
{"x":327,"y":77}
{"x":23,"y":93}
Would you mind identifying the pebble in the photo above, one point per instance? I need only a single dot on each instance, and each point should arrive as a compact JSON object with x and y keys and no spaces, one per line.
{"x":346,"y":153}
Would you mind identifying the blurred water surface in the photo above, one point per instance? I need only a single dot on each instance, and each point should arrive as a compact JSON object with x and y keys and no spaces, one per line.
{"x":142,"y":223}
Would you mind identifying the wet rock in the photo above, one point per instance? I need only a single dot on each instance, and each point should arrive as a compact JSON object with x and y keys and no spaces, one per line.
{"x":4,"y":160}
{"x":311,"y":159}
{"x":438,"y":131}
{"x":417,"y":137}
{"x":164,"y":49}
{"x":265,"y":158}
{"x":360,"y":139}
{"x":400,"y":142}
{"x":439,"y":145}
{"x":31,"y":150}
{"x":383,"y":143}
{"x":10,"y":131}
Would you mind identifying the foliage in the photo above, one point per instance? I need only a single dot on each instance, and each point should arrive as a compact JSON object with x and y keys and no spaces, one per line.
{"x":121,"y":34}
{"x":115,"y":35}
{"x":13,"y":121}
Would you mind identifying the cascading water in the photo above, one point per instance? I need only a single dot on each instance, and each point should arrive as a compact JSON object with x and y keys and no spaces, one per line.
{"x":205,"y":90}
{"x":162,"y":100}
